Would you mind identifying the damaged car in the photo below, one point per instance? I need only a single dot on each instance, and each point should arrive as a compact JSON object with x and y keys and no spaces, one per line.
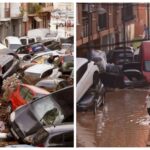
{"x":52,"y":109}
{"x":90,"y":89}
{"x":52,"y":84}
{"x":8,"y":65}
{"x":38,"y":71}
{"x":54,"y":136}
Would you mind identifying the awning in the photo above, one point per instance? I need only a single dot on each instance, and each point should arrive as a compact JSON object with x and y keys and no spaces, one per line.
{"x":37,"y":19}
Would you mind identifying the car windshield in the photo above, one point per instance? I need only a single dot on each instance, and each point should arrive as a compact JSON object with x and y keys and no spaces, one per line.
{"x":147,"y":66}
{"x":14,"y":46}
{"x":47,"y":111}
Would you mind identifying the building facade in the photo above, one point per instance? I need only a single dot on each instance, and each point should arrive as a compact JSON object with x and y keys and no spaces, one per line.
{"x":17,"y":18}
{"x":109,"y":25}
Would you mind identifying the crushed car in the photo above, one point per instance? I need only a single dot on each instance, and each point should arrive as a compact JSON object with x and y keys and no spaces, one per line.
{"x":38,"y":71}
{"x":54,"y":136}
{"x":52,"y":109}
{"x":8,"y":65}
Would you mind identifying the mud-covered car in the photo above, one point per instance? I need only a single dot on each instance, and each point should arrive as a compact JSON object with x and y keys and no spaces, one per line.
{"x":8,"y":66}
{"x":52,"y":84}
{"x":38,"y":71}
{"x":52,"y":109}
{"x":54,"y":136}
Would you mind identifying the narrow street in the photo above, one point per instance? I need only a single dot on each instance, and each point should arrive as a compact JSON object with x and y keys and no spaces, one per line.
{"x":121,"y":122}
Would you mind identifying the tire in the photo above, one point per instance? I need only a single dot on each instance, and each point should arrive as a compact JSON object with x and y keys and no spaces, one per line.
{"x":96,"y":79}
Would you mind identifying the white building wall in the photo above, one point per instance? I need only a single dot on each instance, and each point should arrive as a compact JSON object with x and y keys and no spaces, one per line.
{"x":15,"y":9}
{"x":2,"y":10}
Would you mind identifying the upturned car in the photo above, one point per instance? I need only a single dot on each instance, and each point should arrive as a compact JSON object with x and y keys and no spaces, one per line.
{"x":51,"y":109}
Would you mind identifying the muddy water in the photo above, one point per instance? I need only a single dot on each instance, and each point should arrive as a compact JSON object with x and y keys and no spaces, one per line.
{"x":122,"y":122}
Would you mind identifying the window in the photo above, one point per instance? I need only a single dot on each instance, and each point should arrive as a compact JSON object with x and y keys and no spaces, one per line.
{"x":47,"y":111}
{"x":127,"y":12}
{"x":147,"y":66}
{"x":63,"y":138}
{"x":56,"y":139}
{"x":81,"y":72}
{"x":23,"y":41}
{"x":102,"y":21}
{"x":31,"y":41}
{"x":25,"y":93}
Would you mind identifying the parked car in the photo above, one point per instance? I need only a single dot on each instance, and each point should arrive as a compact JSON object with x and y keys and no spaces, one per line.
{"x":27,"y":40}
{"x":38,"y":71}
{"x":32,"y":49}
{"x":23,"y":94}
{"x":8,"y":65}
{"x":55,"y":136}
{"x":119,"y":55}
{"x":12,"y":42}
{"x":52,"y":84}
{"x":52,"y":109}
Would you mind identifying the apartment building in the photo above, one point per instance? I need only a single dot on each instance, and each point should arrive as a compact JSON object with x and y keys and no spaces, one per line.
{"x":106,"y":24}
{"x":17,"y":18}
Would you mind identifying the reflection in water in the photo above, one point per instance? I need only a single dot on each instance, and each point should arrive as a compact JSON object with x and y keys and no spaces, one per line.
{"x":121,"y":122}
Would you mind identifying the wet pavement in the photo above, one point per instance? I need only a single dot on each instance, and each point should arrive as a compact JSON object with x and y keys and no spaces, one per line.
{"x":121,"y":122}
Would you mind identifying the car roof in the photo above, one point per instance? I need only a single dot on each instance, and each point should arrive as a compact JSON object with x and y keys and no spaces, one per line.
{"x":4,"y":59}
{"x":15,"y":39}
{"x":59,"y":128}
{"x":39,"y":68}
{"x":80,"y":62}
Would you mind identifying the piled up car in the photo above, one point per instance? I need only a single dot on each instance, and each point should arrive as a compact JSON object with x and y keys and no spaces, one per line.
{"x":36,"y":81}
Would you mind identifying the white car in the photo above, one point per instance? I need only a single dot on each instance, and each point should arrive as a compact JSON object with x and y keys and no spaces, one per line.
{"x":38,"y":71}
{"x":12,"y":42}
{"x":87,"y":75}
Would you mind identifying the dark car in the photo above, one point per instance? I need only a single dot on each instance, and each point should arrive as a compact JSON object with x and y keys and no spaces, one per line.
{"x":52,"y":109}
{"x":31,"y":49}
{"x":8,"y":66}
{"x":120,"y":55}
{"x":52,"y":45}
{"x":112,"y":77}
{"x":93,"y":98}
{"x":55,"y":136}
{"x":134,"y":78}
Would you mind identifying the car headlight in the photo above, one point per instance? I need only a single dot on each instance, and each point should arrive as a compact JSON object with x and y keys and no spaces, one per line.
{"x":29,"y":139}
{"x":12,"y":116}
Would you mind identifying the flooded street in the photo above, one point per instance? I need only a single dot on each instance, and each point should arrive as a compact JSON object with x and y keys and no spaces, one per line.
{"x":121,"y":122}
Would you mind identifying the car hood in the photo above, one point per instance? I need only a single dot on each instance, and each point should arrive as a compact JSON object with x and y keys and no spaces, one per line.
{"x":31,"y":125}
{"x":39,"y":68}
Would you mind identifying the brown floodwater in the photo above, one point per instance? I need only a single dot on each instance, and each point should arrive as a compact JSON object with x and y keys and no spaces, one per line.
{"x":122,"y":122}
